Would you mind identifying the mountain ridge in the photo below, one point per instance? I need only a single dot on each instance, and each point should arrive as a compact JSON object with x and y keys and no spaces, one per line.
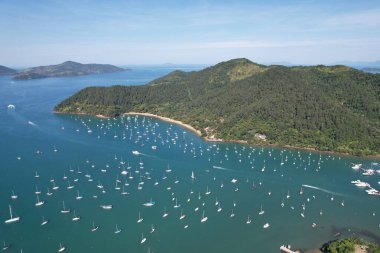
{"x":4,"y":71}
{"x":328,"y":108}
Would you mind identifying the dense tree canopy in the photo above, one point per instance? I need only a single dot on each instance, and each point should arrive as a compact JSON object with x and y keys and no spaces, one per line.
{"x":333,"y":108}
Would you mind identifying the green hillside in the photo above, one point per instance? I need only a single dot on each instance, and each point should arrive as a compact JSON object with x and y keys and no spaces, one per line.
{"x":333,"y":108}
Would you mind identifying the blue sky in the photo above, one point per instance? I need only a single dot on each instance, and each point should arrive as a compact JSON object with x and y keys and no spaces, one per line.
{"x":155,"y":32}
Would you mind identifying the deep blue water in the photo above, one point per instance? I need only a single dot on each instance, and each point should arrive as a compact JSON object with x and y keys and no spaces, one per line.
{"x":33,"y":139}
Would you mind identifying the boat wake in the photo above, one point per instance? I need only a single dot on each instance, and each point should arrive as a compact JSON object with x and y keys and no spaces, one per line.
{"x":323,"y":190}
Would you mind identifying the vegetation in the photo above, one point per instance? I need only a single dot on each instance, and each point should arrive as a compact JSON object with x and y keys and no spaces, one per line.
{"x":326,"y":108}
{"x":68,"y":68}
{"x":348,"y":246}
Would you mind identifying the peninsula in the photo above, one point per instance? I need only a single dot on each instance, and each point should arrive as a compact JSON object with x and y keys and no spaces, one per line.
{"x":327,"y":108}
{"x":66,"y":69}
{"x":5,"y":71}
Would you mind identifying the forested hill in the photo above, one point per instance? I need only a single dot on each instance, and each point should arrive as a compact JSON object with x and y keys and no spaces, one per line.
{"x":68,"y":68}
{"x":333,"y":108}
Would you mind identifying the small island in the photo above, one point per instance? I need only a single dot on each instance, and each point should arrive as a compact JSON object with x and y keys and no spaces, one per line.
{"x":66,"y":69}
{"x":325,"y":108}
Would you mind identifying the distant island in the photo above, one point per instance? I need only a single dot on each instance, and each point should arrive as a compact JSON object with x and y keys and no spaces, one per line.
{"x":5,"y":71}
{"x":68,"y":68}
{"x":326,"y":108}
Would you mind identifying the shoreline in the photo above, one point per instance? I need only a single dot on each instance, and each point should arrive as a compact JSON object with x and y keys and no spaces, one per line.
{"x":198,"y":133}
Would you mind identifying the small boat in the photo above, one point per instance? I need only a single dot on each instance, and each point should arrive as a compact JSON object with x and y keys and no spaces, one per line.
{"x":266,"y":225}
{"x":44,"y":222}
{"x":152,"y":229}
{"x":14,"y":196}
{"x":78,"y":197}
{"x":248,"y":220}
{"x":75,"y":218}
{"x":39,"y":202}
{"x":6,"y":247}
{"x":12,"y":219}
{"x":117,"y":230}
{"x":192,"y":175}
{"x":176,"y":204}
{"x":94,"y":228}
{"x":140,"y":219}
{"x":182,"y":216}
{"x":106,"y":207}
{"x":64,"y":210}
{"x":204,"y":218}
{"x":261,"y":210}
{"x":61,"y":248}
{"x":165,"y":213}
{"x":135,"y":152}
{"x":149,"y":204}
{"x":143,"y":239}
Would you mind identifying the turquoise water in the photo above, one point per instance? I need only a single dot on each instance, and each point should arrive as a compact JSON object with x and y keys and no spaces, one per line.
{"x":80,"y":148}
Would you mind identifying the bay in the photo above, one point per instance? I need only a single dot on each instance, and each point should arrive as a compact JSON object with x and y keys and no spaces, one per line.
{"x":241,"y":179}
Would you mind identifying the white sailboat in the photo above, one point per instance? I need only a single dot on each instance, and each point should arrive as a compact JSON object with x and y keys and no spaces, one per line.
{"x":75,"y":218}
{"x":192,"y":175}
{"x":176,"y":204}
{"x":64,"y":210}
{"x":261,"y":210}
{"x":165,"y":213}
{"x":14,"y":196}
{"x":248,"y":220}
{"x":78,"y":197}
{"x":12,"y":219}
{"x":204,"y":218}
{"x":44,"y":222}
{"x":94,"y":228}
{"x":140,"y":219}
{"x":143,"y":239}
{"x":118,"y":230}
{"x":182,"y":216}
{"x":39,"y":202}
{"x":61,"y":248}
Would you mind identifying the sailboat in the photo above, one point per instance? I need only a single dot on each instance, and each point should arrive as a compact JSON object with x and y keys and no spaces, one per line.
{"x":140,"y":218}
{"x":165,"y":213}
{"x":176,"y":204}
{"x":78,"y":197}
{"x":152,"y":229}
{"x":261,"y":210}
{"x":48,"y":192}
{"x":219,"y":208}
{"x":75,"y":218}
{"x":182,"y":216}
{"x":94,"y":228}
{"x":12,"y":219}
{"x":150,"y":203}
{"x":39,"y":202}
{"x":118,"y":230}
{"x":44,"y":222}
{"x":207,"y":191}
{"x":192,"y":175}
{"x":204,"y":218}
{"x":143,"y":239}
{"x":64,"y":210}
{"x":61,"y":248}
{"x":6,"y":246}
{"x":232,"y":214}
{"x":248,"y":220}
{"x":14,"y":196}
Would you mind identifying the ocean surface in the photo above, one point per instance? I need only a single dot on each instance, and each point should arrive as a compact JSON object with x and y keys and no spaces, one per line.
{"x":171,"y":171}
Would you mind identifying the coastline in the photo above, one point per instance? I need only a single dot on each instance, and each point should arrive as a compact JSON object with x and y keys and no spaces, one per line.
{"x":198,"y":133}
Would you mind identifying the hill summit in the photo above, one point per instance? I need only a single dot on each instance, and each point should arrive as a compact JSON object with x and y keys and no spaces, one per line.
{"x":329,"y":108}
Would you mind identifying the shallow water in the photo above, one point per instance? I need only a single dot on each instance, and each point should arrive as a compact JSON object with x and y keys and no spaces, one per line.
{"x":82,"y":147}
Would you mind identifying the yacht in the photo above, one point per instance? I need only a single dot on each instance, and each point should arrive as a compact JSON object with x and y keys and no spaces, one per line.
{"x":64,"y":210}
{"x":44,"y":222}
{"x":75,"y":218}
{"x":143,"y":239}
{"x":12,"y":219}
{"x":204,"y":218}
{"x":140,"y":219}
{"x":94,"y":228}
{"x":61,"y":248}
{"x":266,"y":225}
